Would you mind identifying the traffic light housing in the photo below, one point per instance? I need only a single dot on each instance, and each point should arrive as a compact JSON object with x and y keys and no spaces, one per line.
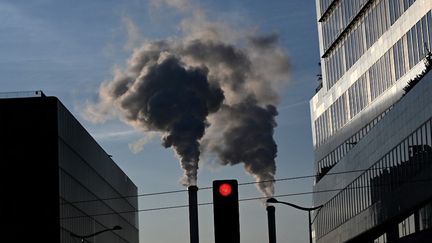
{"x":226,"y":211}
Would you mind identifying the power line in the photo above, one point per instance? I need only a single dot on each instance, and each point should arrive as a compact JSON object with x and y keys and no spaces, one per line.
{"x":209,"y":187}
{"x":241,"y":200}
{"x":163,"y":208}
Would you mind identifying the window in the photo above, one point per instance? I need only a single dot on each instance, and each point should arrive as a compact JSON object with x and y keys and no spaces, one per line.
{"x":407,"y":226}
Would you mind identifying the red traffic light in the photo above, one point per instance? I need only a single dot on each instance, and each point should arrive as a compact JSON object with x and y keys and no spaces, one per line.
{"x":226,"y":211}
{"x":225,"y":189}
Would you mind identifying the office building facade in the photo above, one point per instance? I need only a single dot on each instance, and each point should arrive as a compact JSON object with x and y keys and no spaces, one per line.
{"x":57,"y":181}
{"x":372,"y":138}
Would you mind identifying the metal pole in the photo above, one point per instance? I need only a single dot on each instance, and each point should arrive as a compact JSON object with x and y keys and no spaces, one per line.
{"x":310,"y":227}
{"x":271,"y":224}
{"x":193,"y":214}
{"x":273,"y":200}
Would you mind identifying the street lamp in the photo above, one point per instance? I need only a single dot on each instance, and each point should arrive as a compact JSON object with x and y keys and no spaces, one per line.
{"x":273,"y":200}
{"x":83,"y":237}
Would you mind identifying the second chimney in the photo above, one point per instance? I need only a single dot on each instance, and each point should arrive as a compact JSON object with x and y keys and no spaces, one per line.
{"x":271,"y":224}
{"x":193,"y":214}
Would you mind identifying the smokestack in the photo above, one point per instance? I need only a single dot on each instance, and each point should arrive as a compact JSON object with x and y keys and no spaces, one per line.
{"x":193,"y":214}
{"x":271,"y":224}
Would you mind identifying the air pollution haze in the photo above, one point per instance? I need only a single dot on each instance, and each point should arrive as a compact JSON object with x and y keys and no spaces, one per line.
{"x":210,"y":93}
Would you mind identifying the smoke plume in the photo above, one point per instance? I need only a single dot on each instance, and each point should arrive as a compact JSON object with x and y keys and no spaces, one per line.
{"x":247,"y":138}
{"x":211,"y":93}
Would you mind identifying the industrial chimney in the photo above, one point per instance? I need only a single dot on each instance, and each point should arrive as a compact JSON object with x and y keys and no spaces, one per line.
{"x":271,"y":224}
{"x":193,"y":214}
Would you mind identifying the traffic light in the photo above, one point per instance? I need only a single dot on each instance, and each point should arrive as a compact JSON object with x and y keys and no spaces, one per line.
{"x":226,"y":211}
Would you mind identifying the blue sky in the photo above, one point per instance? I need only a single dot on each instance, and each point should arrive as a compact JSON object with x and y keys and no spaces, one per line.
{"x":68,"y":48}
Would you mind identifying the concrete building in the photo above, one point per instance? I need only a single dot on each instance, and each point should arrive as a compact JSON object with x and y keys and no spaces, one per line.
{"x":372,"y":142}
{"x":55,"y":177}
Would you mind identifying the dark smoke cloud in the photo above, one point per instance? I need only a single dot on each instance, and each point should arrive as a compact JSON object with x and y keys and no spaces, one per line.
{"x":176,"y":101}
{"x":171,"y":99}
{"x":248,"y":139}
{"x":230,"y":64}
{"x":211,"y":93}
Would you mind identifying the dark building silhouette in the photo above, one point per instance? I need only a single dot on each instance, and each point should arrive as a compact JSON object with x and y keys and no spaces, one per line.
{"x":372,"y":122}
{"x":54,"y":176}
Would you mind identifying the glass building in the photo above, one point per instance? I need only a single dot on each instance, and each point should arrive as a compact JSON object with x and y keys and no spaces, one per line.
{"x":56,"y":180}
{"x":371,"y":121}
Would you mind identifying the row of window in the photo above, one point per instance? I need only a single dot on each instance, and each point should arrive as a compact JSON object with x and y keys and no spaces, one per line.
{"x":339,"y":19}
{"x":78,"y":207}
{"x":381,"y":75}
{"x":407,"y":226}
{"x":78,"y":144}
{"x":322,"y":128}
{"x":358,"y":95}
{"x":418,"y":221}
{"x":400,"y":58}
{"x":332,"y":158}
{"x":88,"y":225}
{"x":324,"y":4}
{"x":354,"y":46}
{"x":376,"y":20}
{"x":419,"y":39}
{"x":399,"y":166}
{"x":79,"y":182}
{"x":339,"y":112}
{"x":381,"y":239}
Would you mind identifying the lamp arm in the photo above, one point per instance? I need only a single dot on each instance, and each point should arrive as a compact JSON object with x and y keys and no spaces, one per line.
{"x":97,"y":233}
{"x":300,"y":207}
{"x":91,"y":235}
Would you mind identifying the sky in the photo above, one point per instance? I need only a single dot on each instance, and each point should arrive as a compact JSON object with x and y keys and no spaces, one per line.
{"x":68,"y":49}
